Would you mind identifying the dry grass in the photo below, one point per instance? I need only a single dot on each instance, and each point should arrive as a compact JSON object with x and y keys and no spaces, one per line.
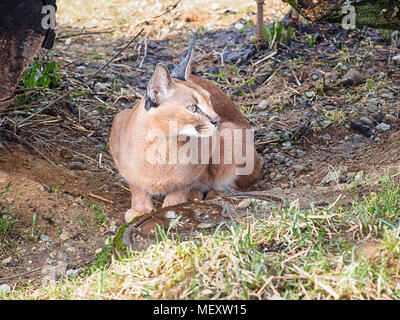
{"x":124,"y":15}
{"x":333,"y":253}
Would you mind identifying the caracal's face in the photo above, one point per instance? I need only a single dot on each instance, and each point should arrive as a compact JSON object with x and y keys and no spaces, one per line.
{"x":186,"y":111}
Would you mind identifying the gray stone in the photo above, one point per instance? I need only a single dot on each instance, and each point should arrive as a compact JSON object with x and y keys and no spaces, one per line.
{"x":298,"y":168}
{"x":5,"y":289}
{"x":279,"y":158}
{"x":327,"y":137}
{"x":274,"y":118}
{"x":310,"y":94}
{"x":383,"y":127}
{"x":300,"y":154}
{"x":353,"y":77}
{"x":45,"y":238}
{"x":171,"y":215}
{"x":358,"y":138}
{"x":262,"y":106}
{"x":53,"y":273}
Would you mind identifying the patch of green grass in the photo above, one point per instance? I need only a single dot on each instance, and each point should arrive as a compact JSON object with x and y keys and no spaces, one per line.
{"x":41,"y":74}
{"x":315,"y":253}
{"x":311,"y":39}
{"x":99,"y":216}
{"x":277,"y":33}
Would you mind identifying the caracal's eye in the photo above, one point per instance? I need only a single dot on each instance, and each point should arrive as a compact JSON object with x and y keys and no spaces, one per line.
{"x":192,"y":108}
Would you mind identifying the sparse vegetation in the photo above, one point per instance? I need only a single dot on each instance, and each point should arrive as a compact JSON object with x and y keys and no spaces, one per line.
{"x":331,"y":253}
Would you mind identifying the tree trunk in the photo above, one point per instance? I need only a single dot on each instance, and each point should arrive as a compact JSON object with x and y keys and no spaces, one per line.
{"x":21,"y":37}
{"x":382,"y":14}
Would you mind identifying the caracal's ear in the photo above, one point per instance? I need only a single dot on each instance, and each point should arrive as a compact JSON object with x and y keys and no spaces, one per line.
{"x":158,"y":87}
{"x":182,"y":70}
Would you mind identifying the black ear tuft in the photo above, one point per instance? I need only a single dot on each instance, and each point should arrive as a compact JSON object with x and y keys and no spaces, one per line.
{"x":182,"y":70}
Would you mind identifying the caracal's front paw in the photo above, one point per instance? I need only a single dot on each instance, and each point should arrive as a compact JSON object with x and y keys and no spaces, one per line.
{"x":131,"y":214}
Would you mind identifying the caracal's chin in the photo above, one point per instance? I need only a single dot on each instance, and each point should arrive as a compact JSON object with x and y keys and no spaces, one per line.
{"x":191,"y":131}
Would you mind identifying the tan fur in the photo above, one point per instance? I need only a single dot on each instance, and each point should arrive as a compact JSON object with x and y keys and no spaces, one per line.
{"x":129,"y":144}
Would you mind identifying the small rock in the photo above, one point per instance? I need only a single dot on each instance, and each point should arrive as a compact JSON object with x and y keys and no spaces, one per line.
{"x":298,"y":168}
{"x":53,"y":273}
{"x":310,"y":94}
{"x":171,"y":215}
{"x":244,"y":203}
{"x":284,"y":186}
{"x":300,"y":154}
{"x":71,"y":250}
{"x":77,"y":166}
{"x":5,"y":289}
{"x":277,"y":177}
{"x":352,"y":78}
{"x":66,"y":154}
{"x":113,"y":228}
{"x":73,"y":272}
{"x":287,"y":144}
{"x":396,"y":59}
{"x":45,"y":238}
{"x":358,"y":138}
{"x":279,"y":157}
{"x":274,"y":118}
{"x":367,"y":121}
{"x":239,"y":26}
{"x":204,"y":225}
{"x":327,"y":137}
{"x":383,"y":127}
{"x":65,"y":235}
{"x":262,"y":106}
{"x":61,"y":255}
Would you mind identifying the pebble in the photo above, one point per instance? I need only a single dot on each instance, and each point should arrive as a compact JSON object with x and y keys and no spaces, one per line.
{"x":274,"y":118}
{"x":244,"y":203}
{"x":367,"y":121}
{"x":204,"y":225}
{"x":45,"y":238}
{"x":73,"y":272}
{"x":262,"y":106}
{"x":7,"y":260}
{"x":65,"y":235}
{"x":358,"y":138}
{"x":5,"y":289}
{"x":171,"y":215}
{"x":310,"y":94}
{"x":279,"y":157}
{"x":300,"y":154}
{"x":383,"y":127}
{"x":287,"y":144}
{"x":327,"y":137}
{"x":396,"y":59}
{"x":298,"y":168}
{"x":353,"y":77}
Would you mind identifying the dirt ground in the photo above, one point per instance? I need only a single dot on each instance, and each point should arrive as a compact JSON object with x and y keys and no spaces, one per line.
{"x":60,"y":181}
